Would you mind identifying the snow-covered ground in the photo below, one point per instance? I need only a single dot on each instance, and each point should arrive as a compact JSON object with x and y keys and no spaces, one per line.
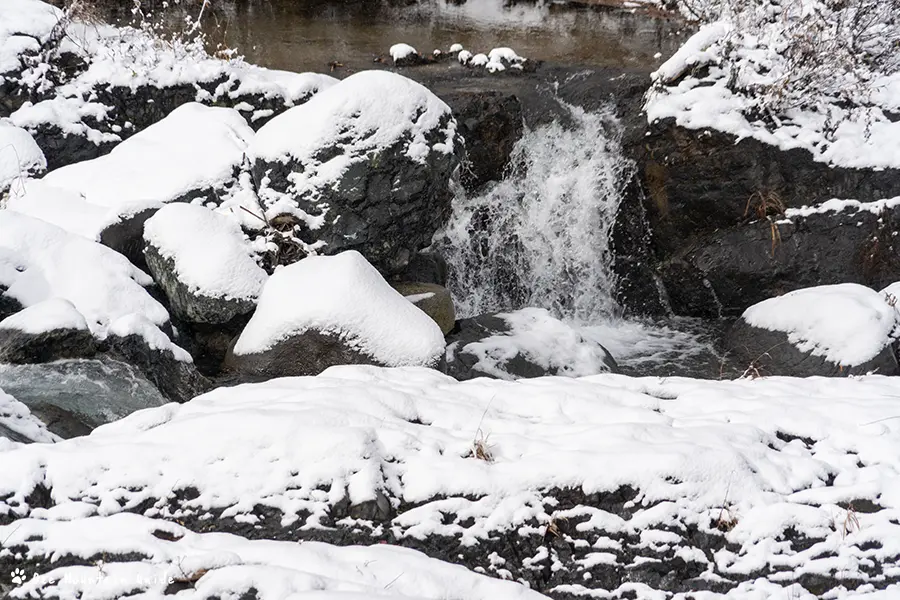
{"x":796,"y":477}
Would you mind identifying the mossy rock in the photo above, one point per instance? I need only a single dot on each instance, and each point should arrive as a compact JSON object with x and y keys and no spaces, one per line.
{"x":433,"y":299}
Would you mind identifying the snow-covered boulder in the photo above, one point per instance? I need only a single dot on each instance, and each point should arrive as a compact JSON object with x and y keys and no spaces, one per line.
{"x":522,"y":344}
{"x":434,"y":300}
{"x":20,"y":156}
{"x":203,"y":263}
{"x":17,"y":424}
{"x":333,"y":310}
{"x":364,"y":165}
{"x":74,"y":396}
{"x":46,"y":331}
{"x":193,"y":153}
{"x":831,"y":330}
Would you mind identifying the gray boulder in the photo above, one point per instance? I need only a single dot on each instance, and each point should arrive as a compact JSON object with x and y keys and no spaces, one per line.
{"x":72,"y":397}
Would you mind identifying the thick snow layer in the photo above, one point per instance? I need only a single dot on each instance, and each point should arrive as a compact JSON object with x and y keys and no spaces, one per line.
{"x":223,"y":565}
{"x":195,"y":148}
{"x":365,"y":113}
{"x":544,"y":340}
{"x":209,"y":250}
{"x":865,"y":137}
{"x":402,"y":51}
{"x":22,"y":24}
{"x":689,"y":446}
{"x":55,"y":313}
{"x":848,"y":324}
{"x":342,"y":295}
{"x":501,"y":58}
{"x":39,"y":261}
{"x":16,"y":418}
{"x":19,"y":155}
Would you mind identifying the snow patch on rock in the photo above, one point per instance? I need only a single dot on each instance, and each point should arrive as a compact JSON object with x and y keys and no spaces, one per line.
{"x":15,"y":417}
{"x":55,"y":313}
{"x":20,"y":156}
{"x":848,"y":324}
{"x":345,"y":296}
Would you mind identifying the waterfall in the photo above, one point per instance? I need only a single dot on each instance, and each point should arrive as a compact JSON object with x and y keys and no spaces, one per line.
{"x":541,"y":237}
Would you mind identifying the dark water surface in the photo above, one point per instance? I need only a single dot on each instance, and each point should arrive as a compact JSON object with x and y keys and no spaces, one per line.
{"x":309,"y":35}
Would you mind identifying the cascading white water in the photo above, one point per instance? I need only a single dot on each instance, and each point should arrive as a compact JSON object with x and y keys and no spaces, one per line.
{"x":541,"y":237}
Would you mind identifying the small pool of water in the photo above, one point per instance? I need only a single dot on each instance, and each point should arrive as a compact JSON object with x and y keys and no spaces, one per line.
{"x":309,"y":35}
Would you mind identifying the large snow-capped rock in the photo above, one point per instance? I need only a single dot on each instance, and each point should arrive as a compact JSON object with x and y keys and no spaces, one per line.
{"x":525,"y":343}
{"x":364,"y":165}
{"x":838,"y":329}
{"x":20,"y":156}
{"x":191,"y":154}
{"x":333,"y":310}
{"x":17,"y":424}
{"x":203,"y":262}
{"x":44,"y":332}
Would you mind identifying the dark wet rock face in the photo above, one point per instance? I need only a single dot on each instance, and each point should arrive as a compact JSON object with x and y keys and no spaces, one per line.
{"x":491,"y":123}
{"x":20,"y":347}
{"x":698,"y":181}
{"x":763,"y":353}
{"x":307,"y":353}
{"x":434,"y":300}
{"x":739,"y":266}
{"x":177,"y":380}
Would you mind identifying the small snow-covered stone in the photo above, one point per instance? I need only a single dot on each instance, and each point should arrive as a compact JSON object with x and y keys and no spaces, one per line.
{"x":20,"y":156}
{"x":464,"y":57}
{"x":203,"y":263}
{"x":479,"y":60}
{"x":330,"y":310}
{"x":456,"y":48}
{"x":404,"y":55}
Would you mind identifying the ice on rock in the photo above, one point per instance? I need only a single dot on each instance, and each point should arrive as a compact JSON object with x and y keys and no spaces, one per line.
{"x":847,"y":323}
{"x":193,"y":150}
{"x":346,"y":297}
